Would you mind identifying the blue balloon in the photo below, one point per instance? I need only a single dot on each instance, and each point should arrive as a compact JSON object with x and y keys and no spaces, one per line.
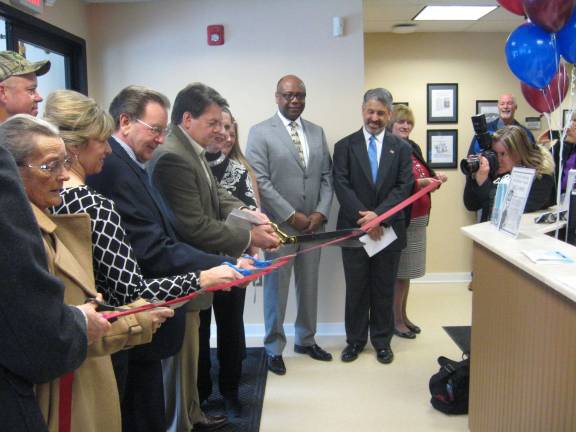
{"x":567,"y":40}
{"x":531,"y":55}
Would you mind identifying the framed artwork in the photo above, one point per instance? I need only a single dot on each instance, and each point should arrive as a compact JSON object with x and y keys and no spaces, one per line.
{"x":488,"y":107}
{"x":566,"y":118}
{"x":442,"y":148}
{"x":442,"y":103}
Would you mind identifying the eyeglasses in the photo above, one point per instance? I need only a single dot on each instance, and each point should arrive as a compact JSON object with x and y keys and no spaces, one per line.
{"x":53,"y":168}
{"x":156,"y":130}
{"x":291,"y":96}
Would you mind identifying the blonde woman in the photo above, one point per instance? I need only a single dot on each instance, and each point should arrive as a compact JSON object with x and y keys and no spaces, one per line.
{"x":513,"y":148}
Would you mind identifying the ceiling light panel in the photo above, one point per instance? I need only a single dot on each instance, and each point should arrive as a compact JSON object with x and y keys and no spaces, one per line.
{"x":453,"y":13}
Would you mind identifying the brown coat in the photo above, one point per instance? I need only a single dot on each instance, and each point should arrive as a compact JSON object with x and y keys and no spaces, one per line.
{"x":95,"y":402}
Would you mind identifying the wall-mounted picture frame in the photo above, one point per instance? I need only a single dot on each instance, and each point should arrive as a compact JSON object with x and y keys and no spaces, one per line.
{"x":487,"y":107}
{"x":565,"y":118}
{"x":442,"y":148}
{"x":400,"y":103}
{"x":442,"y":103}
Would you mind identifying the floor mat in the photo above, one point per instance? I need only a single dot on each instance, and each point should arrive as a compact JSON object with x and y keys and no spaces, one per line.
{"x":251,"y":394}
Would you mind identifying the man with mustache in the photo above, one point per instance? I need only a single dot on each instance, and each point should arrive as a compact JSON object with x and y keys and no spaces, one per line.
{"x":372,"y":174}
{"x":293,"y":168}
{"x":18,"y":84}
{"x":506,"y":109}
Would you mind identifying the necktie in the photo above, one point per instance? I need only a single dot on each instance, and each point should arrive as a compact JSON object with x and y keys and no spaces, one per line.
{"x":297,"y":143}
{"x":373,"y":156}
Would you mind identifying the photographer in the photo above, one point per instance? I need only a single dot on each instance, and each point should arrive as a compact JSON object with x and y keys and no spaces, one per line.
{"x":512,"y":148}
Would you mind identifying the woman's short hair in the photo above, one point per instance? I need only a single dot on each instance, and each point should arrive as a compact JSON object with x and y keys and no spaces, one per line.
{"x":400,"y":112}
{"x":78,"y":117}
{"x":18,"y":135}
{"x":529,"y":154}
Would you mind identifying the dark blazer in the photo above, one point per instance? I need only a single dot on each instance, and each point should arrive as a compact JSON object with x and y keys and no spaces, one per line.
{"x":356,"y":191}
{"x":153,"y":239}
{"x":40,"y":337}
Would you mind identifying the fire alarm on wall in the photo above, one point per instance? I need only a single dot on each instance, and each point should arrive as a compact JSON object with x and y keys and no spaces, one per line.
{"x":216,"y":34}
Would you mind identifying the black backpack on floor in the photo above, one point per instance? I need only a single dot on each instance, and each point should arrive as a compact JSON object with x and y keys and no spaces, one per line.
{"x":449,"y":386}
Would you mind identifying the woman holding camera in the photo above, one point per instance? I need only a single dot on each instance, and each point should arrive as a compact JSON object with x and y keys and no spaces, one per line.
{"x":513,"y":149}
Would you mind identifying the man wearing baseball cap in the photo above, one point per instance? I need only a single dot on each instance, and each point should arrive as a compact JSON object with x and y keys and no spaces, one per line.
{"x":18,"y":84}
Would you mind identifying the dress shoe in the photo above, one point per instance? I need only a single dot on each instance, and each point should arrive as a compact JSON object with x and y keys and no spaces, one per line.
{"x":385,"y":355}
{"x":233,"y":406}
{"x":276,"y":365}
{"x":414,"y":328}
{"x":351,"y":352}
{"x":406,"y":335}
{"x":210,"y":423}
{"x":313,"y":351}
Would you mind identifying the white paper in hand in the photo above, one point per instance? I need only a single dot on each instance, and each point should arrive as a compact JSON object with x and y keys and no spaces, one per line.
{"x":372,"y":247}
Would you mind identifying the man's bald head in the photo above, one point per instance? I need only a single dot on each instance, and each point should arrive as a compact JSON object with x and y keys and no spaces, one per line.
{"x":291,"y":96}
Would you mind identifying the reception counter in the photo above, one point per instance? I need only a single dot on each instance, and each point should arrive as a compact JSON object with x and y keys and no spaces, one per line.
{"x":523,"y":353}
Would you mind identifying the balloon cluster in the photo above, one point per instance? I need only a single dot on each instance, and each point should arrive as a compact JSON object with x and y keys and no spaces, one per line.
{"x":533,"y":50}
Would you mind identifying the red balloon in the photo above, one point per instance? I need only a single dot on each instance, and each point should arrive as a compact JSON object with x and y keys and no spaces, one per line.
{"x":550,"y":15}
{"x":514,"y":6}
{"x":547,"y":99}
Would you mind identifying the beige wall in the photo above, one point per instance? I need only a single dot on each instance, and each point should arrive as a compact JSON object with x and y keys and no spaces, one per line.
{"x":476,"y":61}
{"x":163,"y":45}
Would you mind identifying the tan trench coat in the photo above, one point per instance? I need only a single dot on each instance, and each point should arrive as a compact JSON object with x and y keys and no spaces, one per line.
{"x":95,"y":402}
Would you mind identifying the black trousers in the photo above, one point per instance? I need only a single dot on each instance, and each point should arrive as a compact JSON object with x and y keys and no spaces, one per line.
{"x":369,"y":296}
{"x":229,"y":313}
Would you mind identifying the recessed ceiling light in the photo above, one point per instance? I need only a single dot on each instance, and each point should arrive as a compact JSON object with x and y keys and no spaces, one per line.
{"x":453,"y":13}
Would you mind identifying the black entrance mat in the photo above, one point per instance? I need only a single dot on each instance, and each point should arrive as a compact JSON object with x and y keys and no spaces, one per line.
{"x":461,"y":336}
{"x":251,"y":394}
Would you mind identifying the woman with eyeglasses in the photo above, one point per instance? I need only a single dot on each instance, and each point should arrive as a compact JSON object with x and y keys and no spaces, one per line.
{"x":87,"y":399}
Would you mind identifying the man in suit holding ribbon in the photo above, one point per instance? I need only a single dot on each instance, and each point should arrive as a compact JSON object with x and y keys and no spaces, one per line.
{"x":372,"y":174}
{"x":293,"y":168}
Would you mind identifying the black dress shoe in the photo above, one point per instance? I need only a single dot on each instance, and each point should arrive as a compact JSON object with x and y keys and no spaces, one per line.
{"x":276,"y":365}
{"x":233,"y":406}
{"x":210,"y":423}
{"x":385,"y":355}
{"x":313,"y":351}
{"x":406,"y":335}
{"x":414,"y":328}
{"x":351,"y":352}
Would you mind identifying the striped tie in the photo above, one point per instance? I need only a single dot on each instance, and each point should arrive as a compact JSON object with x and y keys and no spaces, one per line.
{"x":297,"y":143}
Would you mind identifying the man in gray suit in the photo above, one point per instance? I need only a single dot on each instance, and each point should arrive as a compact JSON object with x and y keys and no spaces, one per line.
{"x":293,"y":167}
{"x":199,"y":205}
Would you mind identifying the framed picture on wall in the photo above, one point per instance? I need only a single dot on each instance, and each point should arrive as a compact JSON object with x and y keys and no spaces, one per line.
{"x":442,"y":103}
{"x":488,"y":108}
{"x":442,"y":148}
{"x":565,"y":118}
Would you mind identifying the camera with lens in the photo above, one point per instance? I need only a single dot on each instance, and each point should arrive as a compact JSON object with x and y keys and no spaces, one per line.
{"x":471,"y":164}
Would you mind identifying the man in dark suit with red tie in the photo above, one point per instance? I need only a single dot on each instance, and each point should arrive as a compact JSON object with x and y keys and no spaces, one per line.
{"x":372,"y":173}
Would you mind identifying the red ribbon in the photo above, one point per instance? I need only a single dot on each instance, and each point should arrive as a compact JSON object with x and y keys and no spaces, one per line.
{"x":65,"y":406}
{"x":279,"y":262}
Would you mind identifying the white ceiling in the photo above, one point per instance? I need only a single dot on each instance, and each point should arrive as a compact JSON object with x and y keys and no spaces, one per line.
{"x":382,"y":15}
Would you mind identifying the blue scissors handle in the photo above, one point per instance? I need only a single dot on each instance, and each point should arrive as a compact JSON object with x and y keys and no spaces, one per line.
{"x":258,"y":262}
{"x":243,"y":272}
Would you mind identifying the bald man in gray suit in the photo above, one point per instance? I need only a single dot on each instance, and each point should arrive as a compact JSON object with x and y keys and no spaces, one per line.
{"x":293,"y":167}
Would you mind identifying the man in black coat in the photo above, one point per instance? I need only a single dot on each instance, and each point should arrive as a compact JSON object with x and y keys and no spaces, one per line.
{"x":141,"y":117}
{"x":372,"y":173}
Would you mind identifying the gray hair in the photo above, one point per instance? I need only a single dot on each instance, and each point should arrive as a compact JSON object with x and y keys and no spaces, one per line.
{"x":381,"y":95}
{"x":18,"y":133}
{"x":132,"y":101}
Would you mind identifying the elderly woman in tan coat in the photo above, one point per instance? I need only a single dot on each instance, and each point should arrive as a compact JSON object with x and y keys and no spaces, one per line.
{"x":87,"y":399}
